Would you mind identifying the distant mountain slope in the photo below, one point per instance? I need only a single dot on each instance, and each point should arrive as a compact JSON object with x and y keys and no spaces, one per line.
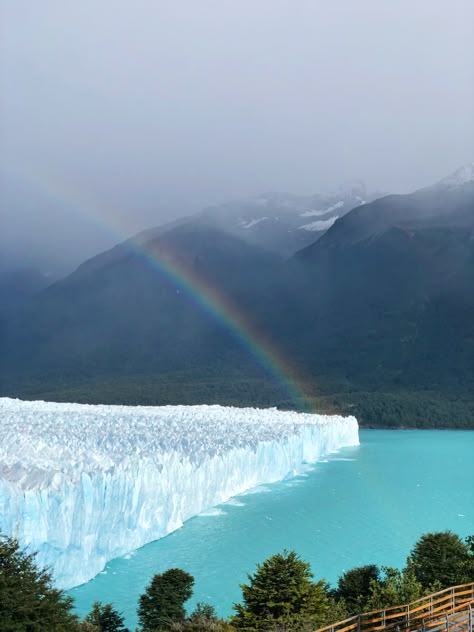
{"x":18,"y":283}
{"x":282,"y":222}
{"x":445,"y":204}
{"x":123,"y":313}
{"x":377,"y":315}
{"x":388,"y":296}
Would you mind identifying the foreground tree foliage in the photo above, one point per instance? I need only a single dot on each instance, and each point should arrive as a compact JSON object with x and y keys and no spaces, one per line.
{"x":354,"y":588}
{"x":394,"y":588}
{"x":203,"y":611}
{"x":201,"y":625}
{"x":163,"y":601}
{"x":104,"y":618}
{"x":203,"y":619}
{"x":281,"y":595}
{"x":28,"y":600}
{"x":442,"y":560}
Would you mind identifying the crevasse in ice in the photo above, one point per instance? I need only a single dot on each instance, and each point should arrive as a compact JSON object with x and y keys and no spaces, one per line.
{"x":83,"y":484}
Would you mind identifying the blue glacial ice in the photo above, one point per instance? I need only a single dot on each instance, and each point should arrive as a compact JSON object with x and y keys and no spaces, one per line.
{"x":84,"y":484}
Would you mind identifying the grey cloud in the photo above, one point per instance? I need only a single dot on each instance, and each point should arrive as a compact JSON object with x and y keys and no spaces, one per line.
{"x":134,"y":112}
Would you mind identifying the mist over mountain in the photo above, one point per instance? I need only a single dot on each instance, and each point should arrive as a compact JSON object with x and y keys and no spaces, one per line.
{"x":446,"y":203}
{"x":379,"y":309}
{"x":54,"y":243}
{"x":285,"y":223}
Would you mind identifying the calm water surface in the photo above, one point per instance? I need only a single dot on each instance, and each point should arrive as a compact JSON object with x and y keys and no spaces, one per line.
{"x":362,"y":505}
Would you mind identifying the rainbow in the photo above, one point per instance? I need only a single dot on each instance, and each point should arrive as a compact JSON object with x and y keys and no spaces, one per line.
{"x":206,"y":297}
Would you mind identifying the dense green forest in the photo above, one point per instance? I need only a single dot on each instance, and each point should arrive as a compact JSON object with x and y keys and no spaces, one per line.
{"x":281,"y":595}
{"x":384,"y":408}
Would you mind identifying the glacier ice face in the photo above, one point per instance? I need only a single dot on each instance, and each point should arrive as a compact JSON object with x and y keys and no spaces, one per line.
{"x":83,"y":484}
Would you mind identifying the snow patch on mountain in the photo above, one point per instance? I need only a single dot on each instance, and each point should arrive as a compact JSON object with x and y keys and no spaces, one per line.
{"x":318,"y":225}
{"x":461,"y":176}
{"x":315,"y":213}
{"x":253,"y":222}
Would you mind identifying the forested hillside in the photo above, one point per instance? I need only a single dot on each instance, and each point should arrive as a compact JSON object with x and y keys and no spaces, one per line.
{"x":376,"y":318}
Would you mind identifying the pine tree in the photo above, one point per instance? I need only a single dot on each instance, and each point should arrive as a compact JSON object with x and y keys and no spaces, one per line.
{"x":203,"y":611}
{"x":354,"y":587}
{"x":163,"y":601}
{"x":203,"y":619}
{"x":395,"y":588}
{"x":105,"y":618}
{"x":28,"y":599}
{"x":281,"y":593}
{"x":442,"y":559}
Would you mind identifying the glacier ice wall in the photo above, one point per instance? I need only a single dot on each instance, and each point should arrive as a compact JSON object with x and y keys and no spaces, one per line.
{"x":83,"y":484}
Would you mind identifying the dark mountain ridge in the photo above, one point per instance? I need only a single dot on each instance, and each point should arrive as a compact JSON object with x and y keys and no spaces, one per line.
{"x":438,"y":206}
{"x":377,"y":315}
{"x":146,"y":308}
{"x":394,"y":306}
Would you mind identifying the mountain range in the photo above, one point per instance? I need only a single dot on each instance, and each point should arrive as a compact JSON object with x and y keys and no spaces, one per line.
{"x":370,"y":299}
{"x":285,"y":223}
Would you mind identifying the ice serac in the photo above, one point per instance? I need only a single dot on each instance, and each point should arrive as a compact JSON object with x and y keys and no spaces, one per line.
{"x":83,"y":484}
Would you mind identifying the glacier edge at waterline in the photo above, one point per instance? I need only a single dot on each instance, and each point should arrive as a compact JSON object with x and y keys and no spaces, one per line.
{"x":83,"y":484}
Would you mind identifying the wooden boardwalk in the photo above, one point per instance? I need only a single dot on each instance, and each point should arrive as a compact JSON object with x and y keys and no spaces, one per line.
{"x":450,"y":609}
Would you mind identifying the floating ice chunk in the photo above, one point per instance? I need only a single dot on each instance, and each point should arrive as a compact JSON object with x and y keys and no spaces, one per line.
{"x":215,"y":511}
{"x":234,"y":502}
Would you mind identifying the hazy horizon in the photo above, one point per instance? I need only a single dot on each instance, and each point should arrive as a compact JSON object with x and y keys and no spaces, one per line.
{"x":119,"y":116}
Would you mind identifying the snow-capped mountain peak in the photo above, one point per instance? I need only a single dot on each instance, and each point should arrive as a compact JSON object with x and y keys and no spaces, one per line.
{"x":461,"y":176}
{"x":283,"y":222}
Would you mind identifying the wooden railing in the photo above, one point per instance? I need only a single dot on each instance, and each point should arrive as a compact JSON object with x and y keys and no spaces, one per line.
{"x":422,"y":614}
{"x":461,"y":621}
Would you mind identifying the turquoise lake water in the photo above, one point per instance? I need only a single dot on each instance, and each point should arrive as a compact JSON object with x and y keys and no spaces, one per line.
{"x":362,"y":505}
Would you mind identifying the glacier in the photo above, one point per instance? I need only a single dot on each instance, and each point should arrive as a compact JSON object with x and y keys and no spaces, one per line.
{"x":83,"y":484}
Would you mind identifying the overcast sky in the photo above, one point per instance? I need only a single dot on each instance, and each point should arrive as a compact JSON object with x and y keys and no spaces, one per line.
{"x":118,"y":114}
